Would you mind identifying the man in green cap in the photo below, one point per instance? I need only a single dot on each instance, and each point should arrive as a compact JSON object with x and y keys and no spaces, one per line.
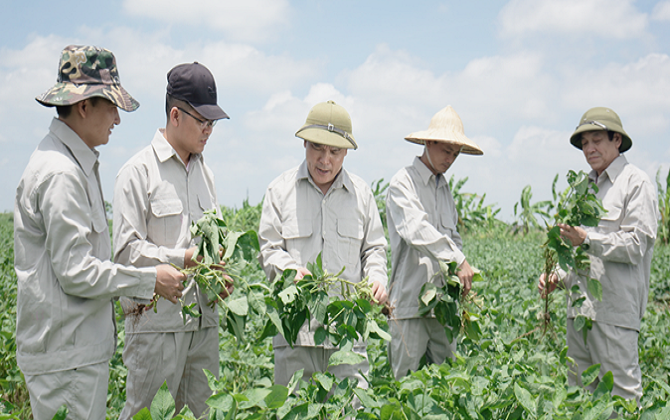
{"x":620,"y":249}
{"x":422,"y":222}
{"x":65,"y":328}
{"x":320,"y":208}
{"x":158,"y":194}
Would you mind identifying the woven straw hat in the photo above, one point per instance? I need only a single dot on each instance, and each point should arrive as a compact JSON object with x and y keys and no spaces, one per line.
{"x":446,"y":126}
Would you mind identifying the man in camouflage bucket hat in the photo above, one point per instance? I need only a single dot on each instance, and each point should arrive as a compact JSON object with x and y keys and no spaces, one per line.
{"x":65,"y":330}
{"x":87,"y":72}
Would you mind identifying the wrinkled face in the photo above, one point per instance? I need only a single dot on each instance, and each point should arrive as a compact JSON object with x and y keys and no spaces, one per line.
{"x":191,"y":136}
{"x":439,"y":156}
{"x":100,"y":120}
{"x":599,"y":150}
{"x":324,"y":163}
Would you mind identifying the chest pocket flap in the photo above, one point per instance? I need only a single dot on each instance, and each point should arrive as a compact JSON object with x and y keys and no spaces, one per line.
{"x":165,"y":201}
{"x":350,"y":228}
{"x":294,"y":229}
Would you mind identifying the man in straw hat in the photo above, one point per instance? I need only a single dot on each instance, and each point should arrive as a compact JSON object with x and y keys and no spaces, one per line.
{"x":620,"y":249}
{"x":158,"y":193}
{"x":65,"y":330}
{"x":422,"y":221}
{"x":320,"y":208}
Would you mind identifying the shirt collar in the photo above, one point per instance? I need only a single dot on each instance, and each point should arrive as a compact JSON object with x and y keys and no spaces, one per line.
{"x":612,"y":171}
{"x":341,"y":180}
{"x":426,"y":174}
{"x":85,"y":156}
{"x":164,"y":149}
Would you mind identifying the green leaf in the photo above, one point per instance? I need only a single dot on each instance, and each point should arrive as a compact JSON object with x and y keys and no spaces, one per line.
{"x":596,"y":289}
{"x":325,"y":380}
{"x":143,"y":414}
{"x":343,"y":357}
{"x":221,"y":401}
{"x":605,"y":386}
{"x":277,"y":396}
{"x":297,"y":375}
{"x":239,"y":305}
{"x":162,"y":407}
{"x":429,"y":293}
{"x":289,"y":294}
{"x":320,"y":335}
{"x":524,"y":398}
{"x":590,"y":374}
{"x":374,"y":328}
{"x":61,"y":414}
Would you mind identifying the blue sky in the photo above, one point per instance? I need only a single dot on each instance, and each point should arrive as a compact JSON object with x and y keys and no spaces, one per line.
{"x":520,"y":73}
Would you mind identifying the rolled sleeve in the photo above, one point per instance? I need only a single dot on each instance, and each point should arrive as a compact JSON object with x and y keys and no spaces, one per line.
{"x":69,"y":226}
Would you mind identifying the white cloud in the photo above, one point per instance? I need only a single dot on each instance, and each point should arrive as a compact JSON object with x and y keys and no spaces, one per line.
{"x":248,"y":20}
{"x":617,"y":19}
{"x":661,"y":11}
{"x":638,"y":91}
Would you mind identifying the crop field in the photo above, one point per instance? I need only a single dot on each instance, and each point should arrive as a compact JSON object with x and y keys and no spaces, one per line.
{"x":514,"y":369}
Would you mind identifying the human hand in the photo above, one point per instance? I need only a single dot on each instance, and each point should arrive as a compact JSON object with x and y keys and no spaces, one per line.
{"x":545,"y":287}
{"x":379,"y":292}
{"x":465,"y":275}
{"x":574,"y":234}
{"x":169,"y":282}
{"x":301,"y":272}
{"x":188,"y":257}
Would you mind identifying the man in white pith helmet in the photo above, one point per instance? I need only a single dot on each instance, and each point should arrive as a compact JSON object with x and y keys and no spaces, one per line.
{"x":422,"y":221}
{"x":320,"y":208}
{"x":620,"y":249}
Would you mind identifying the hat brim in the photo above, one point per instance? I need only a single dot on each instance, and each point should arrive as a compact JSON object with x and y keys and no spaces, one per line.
{"x":576,"y":138}
{"x":210,"y":111}
{"x":328,"y":138}
{"x":63,"y":94}
{"x":468,"y":147}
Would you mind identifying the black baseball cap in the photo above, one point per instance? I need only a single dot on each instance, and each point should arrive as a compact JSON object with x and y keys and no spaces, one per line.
{"x":193,"y":83}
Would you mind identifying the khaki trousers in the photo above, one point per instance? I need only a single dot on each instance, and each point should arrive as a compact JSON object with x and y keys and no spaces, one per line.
{"x":315,"y":359}
{"x":615,"y":349}
{"x":179,"y":359}
{"x":413,"y":338}
{"x":83,"y":390}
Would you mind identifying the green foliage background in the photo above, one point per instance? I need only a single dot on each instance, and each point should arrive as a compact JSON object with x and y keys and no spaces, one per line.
{"x":508,"y":373}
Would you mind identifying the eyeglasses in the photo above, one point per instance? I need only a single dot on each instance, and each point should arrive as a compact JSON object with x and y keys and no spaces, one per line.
{"x":596,"y":123}
{"x":203,"y":123}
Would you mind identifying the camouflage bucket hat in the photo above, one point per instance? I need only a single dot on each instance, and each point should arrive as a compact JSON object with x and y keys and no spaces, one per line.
{"x":85,"y":72}
{"x":328,"y":123}
{"x":600,"y":118}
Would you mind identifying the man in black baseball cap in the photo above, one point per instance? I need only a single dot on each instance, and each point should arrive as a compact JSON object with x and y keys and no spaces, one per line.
{"x":158,"y":194}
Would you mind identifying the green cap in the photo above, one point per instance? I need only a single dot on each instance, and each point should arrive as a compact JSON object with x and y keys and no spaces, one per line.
{"x":328,"y":123}
{"x":600,"y":118}
{"x":85,"y":72}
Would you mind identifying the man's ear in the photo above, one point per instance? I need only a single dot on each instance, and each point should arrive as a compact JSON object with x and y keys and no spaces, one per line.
{"x":82,"y":108}
{"x":174,"y":116}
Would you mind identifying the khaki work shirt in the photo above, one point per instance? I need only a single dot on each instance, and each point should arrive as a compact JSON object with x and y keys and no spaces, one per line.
{"x":422,"y":219}
{"x":620,"y":247}
{"x":66,"y":281}
{"x":299,"y":222}
{"x":155,"y":200}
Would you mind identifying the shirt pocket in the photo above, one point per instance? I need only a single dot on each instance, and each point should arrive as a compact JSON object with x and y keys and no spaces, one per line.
{"x":611,"y":221}
{"x":164,"y":225}
{"x":447,"y":225}
{"x":349,"y":240}
{"x":297,"y":235}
